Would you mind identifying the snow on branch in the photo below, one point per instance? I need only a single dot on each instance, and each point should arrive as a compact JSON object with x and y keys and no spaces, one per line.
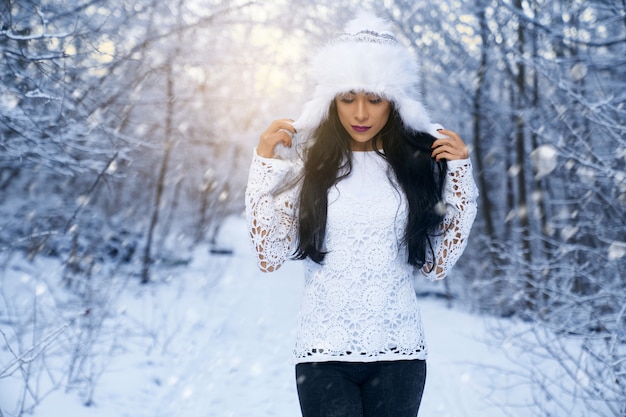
{"x":17,"y":37}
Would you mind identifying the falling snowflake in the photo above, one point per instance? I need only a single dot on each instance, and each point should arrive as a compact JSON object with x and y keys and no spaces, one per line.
{"x":617,"y":250}
{"x":544,"y":159}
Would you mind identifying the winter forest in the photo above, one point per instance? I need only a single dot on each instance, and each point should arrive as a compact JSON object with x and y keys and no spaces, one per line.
{"x":126,"y":132}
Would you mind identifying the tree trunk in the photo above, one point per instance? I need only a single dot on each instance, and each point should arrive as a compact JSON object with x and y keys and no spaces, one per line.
{"x":523,"y":205}
{"x":486,"y":206}
{"x":154,"y":218}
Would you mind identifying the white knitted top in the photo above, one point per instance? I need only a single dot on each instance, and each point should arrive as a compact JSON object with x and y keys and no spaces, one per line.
{"x":360,"y":304}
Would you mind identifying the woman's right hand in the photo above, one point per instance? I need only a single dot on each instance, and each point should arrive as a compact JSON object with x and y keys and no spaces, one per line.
{"x":280,"y":131}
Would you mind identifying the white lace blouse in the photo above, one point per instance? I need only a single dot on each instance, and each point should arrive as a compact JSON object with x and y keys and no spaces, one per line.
{"x":360,"y":304}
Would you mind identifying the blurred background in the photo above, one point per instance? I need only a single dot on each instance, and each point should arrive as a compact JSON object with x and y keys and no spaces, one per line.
{"x":127,"y":128}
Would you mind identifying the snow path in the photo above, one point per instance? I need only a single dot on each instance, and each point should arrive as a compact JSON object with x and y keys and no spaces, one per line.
{"x":222,"y":347}
{"x":243,"y":365}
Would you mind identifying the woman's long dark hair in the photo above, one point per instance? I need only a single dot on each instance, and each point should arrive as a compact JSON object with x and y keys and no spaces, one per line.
{"x":329,"y":159}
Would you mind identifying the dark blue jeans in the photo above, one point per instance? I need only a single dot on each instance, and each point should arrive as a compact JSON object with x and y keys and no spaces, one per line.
{"x":361,"y":389}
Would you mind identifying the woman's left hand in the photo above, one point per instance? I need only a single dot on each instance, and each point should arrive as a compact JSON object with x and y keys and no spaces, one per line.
{"x":450,"y":147}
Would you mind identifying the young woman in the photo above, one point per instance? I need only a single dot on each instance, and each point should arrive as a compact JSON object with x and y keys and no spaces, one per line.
{"x":371,"y":192}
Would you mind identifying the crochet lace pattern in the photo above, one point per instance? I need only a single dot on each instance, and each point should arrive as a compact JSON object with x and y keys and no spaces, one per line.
{"x":360,"y":304}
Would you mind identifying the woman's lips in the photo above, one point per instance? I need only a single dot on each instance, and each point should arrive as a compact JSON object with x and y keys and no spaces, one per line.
{"x":361,"y":129}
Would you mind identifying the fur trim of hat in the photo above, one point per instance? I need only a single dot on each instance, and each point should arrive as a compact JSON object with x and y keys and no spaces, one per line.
{"x":366,"y":57}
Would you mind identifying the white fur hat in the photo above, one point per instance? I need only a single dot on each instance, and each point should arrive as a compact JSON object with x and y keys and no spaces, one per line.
{"x":366,"y":57}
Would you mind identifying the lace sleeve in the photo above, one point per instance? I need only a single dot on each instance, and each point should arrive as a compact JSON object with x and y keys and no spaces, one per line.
{"x":270,"y":212}
{"x":460,"y":194}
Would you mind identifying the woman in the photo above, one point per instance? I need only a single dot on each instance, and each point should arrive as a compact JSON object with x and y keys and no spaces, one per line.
{"x":371,"y":192}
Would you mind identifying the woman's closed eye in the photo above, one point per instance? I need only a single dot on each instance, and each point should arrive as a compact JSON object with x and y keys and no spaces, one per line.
{"x":350,"y":98}
{"x":373,"y":98}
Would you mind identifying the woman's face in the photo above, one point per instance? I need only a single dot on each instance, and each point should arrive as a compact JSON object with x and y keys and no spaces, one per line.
{"x":363,"y":115}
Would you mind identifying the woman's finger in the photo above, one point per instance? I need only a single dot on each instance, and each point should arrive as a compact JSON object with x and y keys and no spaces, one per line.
{"x":280,"y":131}
{"x":284,"y":124}
{"x":450,"y":147}
{"x":447,"y":152}
{"x":450,"y":133}
{"x":448,"y":144}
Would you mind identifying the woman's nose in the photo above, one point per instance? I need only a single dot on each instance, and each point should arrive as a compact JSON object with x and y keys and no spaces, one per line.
{"x":360,"y":111}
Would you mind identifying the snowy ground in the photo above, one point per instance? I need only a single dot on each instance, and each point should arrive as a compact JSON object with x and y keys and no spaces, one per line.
{"x":222,"y":347}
